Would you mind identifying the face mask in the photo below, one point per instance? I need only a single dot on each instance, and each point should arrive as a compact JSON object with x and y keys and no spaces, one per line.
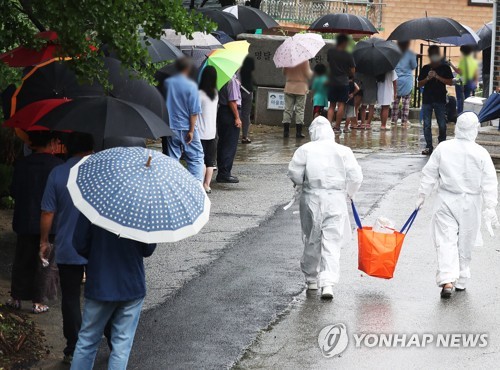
{"x":435,"y":58}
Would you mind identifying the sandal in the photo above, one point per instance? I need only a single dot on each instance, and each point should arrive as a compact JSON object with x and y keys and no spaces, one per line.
{"x":39,"y":308}
{"x":13,"y":303}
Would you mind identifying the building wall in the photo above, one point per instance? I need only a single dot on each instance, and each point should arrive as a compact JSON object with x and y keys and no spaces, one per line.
{"x":496,"y":70}
{"x":397,"y":11}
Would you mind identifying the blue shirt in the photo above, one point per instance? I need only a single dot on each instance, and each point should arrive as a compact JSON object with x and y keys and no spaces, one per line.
{"x":115,"y":269}
{"x":56,"y":199}
{"x":404,"y":70}
{"x":182,"y":101}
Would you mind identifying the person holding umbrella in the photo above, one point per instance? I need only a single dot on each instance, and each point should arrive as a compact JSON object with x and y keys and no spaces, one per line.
{"x":407,"y":64}
{"x":135,"y":197}
{"x":293,"y":56}
{"x":434,"y":77}
{"x":28,"y":184}
{"x":57,"y":201}
{"x":296,"y":89}
{"x":342,"y":68}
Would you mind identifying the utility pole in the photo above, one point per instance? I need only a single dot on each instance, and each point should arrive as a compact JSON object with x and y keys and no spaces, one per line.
{"x":495,"y":50}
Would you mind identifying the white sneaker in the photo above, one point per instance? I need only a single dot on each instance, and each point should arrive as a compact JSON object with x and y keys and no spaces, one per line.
{"x":327,"y":292}
{"x":312,"y":285}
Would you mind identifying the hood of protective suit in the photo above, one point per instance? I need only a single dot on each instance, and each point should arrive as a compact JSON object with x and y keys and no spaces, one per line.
{"x":467,"y":126}
{"x":321,"y":129}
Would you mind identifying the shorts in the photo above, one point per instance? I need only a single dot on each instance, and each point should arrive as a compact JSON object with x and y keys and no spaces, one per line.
{"x":350,"y":111}
{"x":318,"y":109}
{"x":210,"y":152}
{"x":338,"y":94}
{"x":369,"y":97}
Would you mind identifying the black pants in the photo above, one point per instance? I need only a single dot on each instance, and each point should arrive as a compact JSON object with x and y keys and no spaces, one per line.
{"x":70,"y":277}
{"x":229,"y":135}
{"x":28,"y":277}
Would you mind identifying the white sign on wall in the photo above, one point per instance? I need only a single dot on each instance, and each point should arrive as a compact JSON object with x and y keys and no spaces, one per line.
{"x":275,"y":100}
{"x":480,"y":2}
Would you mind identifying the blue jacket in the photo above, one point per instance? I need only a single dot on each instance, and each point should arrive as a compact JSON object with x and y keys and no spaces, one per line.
{"x":115,"y":269}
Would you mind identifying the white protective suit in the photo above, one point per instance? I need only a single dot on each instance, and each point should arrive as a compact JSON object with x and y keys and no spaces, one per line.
{"x":326,"y":171}
{"x":467,"y":183}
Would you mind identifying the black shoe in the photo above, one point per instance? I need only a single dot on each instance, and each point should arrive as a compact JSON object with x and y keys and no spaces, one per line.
{"x":227,"y":180}
{"x":298,"y":132}
{"x":460,"y":289}
{"x":446,"y":292}
{"x":286,"y":130}
{"x":427,"y":151}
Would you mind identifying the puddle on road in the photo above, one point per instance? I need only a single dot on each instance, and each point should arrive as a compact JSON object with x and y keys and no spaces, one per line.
{"x":268,"y":145}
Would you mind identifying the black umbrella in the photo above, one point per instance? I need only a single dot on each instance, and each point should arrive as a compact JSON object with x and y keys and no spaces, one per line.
{"x":161,"y":50}
{"x":485,"y":34}
{"x":198,"y":56}
{"x":343,"y":23}
{"x":225,"y":21}
{"x":105,"y":117}
{"x":53,"y":81}
{"x":376,"y":56}
{"x":56,"y":81}
{"x":251,"y":18}
{"x":427,"y":28}
{"x":127,"y":85}
{"x":222,"y":37}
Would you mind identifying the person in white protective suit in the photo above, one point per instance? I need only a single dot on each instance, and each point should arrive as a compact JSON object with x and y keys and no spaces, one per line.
{"x":326,"y":171}
{"x":467,"y":185}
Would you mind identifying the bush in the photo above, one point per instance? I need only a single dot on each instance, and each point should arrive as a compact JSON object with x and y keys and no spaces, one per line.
{"x":6,"y":172}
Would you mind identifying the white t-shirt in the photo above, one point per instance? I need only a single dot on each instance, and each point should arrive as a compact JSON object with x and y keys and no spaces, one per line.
{"x":385,"y":90}
{"x":207,"y":120}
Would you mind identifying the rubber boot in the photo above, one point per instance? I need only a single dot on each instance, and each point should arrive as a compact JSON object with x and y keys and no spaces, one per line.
{"x":286,"y":130}
{"x":298,"y":132}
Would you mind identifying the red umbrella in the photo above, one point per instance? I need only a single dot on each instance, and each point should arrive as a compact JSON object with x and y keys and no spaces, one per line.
{"x":27,"y":117}
{"x":24,"y":57}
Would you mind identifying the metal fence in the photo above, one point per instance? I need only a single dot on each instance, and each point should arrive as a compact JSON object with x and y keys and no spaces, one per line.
{"x":307,"y":11}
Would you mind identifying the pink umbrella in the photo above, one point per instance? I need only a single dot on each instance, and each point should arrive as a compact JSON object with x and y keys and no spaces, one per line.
{"x":298,"y":49}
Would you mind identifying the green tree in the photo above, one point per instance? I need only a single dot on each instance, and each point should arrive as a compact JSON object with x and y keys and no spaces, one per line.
{"x":83,"y":25}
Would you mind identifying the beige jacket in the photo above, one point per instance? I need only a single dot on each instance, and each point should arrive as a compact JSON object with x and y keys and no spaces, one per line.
{"x":297,"y":79}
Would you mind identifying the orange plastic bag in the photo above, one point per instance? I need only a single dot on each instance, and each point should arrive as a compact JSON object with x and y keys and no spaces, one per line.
{"x":378,"y":253}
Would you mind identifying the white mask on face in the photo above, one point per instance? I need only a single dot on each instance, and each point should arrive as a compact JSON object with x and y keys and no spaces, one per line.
{"x":435,"y":58}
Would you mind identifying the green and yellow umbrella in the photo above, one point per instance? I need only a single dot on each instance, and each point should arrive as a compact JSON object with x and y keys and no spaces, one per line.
{"x":228,"y":60}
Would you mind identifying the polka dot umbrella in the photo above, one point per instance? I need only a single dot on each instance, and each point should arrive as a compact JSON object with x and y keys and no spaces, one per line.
{"x":139,"y":194}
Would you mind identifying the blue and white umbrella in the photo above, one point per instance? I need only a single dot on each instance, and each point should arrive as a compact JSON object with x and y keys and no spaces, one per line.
{"x":139,"y":194}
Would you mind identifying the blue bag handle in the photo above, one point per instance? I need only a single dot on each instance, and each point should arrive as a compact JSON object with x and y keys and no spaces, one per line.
{"x":409,"y":222}
{"x":356,"y":215}
{"x":405,"y":228}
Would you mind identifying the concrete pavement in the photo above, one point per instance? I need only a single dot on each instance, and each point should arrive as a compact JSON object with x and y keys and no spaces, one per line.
{"x":210,"y":321}
{"x":407,"y":304}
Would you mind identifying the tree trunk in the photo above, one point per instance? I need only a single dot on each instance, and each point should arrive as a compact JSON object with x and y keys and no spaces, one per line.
{"x":227,"y":2}
{"x":255,"y":3}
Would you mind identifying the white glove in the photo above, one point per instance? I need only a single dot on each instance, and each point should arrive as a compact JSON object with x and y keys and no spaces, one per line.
{"x":420,"y":201}
{"x":491,"y":220}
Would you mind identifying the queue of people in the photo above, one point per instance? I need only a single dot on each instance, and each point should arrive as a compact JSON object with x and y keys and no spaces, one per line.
{"x":206,"y":125}
{"x":339,"y":92}
{"x":207,"y":122}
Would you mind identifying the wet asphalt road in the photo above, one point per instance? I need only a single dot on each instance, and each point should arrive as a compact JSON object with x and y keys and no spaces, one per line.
{"x":234,"y":295}
{"x":212,"y":319}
